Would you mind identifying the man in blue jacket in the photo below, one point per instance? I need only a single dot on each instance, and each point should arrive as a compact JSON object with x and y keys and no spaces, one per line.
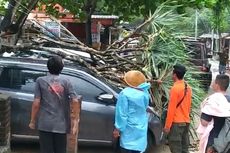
{"x":131,"y":119}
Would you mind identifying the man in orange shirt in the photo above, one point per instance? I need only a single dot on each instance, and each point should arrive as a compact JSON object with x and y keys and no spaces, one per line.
{"x":179,"y":106}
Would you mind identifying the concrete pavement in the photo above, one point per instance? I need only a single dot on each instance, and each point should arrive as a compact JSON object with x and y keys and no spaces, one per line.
{"x":215,"y":71}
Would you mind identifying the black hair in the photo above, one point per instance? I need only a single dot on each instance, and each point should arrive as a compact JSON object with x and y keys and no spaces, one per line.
{"x":179,"y":70}
{"x":223,"y":81}
{"x":55,"y":65}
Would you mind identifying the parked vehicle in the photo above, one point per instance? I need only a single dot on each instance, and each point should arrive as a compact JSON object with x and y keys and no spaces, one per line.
{"x":17,"y":79}
{"x":199,"y":57}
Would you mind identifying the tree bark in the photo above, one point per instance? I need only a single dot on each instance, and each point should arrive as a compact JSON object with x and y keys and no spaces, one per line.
{"x":88,"y":31}
{"x":89,"y":10}
{"x":6,"y":22}
{"x":21,"y":20}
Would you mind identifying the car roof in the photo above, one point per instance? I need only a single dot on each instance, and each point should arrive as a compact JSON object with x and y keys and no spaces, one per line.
{"x":40,"y":64}
{"x":44,"y":53}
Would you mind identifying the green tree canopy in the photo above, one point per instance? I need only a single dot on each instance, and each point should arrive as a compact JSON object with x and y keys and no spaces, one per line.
{"x":125,"y":9}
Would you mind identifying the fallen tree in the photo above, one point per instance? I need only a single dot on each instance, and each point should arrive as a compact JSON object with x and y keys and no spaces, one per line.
{"x":157,"y":51}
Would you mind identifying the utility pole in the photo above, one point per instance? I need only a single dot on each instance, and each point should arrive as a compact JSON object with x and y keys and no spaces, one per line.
{"x":196,"y":18}
{"x":212,"y":47}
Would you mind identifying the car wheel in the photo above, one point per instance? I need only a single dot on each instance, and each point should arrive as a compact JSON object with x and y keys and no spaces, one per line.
{"x":150,"y":143}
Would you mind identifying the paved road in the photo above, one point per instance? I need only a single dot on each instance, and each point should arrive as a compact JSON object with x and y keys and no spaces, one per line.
{"x":215,"y":72}
{"x":33,"y":147}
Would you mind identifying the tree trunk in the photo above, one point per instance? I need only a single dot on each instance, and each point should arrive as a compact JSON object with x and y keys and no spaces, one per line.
{"x":6,"y":22}
{"x":21,"y":20}
{"x":14,"y":28}
{"x":88,"y":31}
{"x":90,"y":7}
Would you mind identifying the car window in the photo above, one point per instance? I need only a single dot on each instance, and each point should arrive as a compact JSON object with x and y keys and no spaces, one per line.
{"x":83,"y":87}
{"x":19,"y":79}
{"x":28,"y":80}
{"x":24,"y":80}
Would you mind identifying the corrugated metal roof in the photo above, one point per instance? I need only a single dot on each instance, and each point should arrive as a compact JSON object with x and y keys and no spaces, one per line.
{"x":215,"y":36}
{"x":104,"y":17}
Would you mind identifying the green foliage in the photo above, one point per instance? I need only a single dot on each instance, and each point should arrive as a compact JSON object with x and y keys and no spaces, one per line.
{"x":131,"y":7}
{"x":219,"y":12}
{"x":18,"y":8}
{"x":72,"y":6}
{"x":187,"y":26}
{"x":165,"y":50}
{"x":125,"y":9}
{"x":206,"y":3}
{"x":2,"y":7}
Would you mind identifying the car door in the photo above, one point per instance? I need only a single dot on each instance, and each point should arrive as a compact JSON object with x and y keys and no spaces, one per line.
{"x":97,"y":117}
{"x":19,"y":84}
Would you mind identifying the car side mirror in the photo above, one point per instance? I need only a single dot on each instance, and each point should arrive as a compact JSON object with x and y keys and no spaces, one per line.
{"x":106,"y":98}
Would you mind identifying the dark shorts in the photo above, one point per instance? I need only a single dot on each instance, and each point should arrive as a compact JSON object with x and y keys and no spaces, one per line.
{"x":52,"y":142}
